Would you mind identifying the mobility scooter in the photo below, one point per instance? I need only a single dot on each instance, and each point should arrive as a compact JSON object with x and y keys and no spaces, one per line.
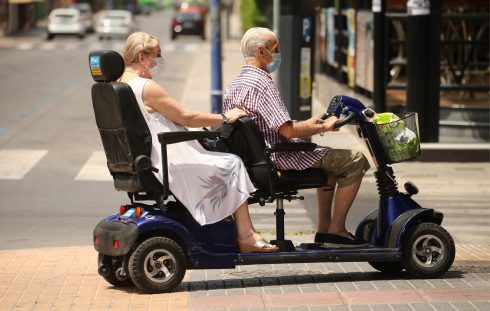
{"x":151,"y":245}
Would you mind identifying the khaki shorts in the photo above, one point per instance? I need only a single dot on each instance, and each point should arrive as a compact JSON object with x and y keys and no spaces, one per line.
{"x":347,"y":165}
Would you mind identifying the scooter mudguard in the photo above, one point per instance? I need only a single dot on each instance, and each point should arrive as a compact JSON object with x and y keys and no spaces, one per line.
{"x":366,"y":230}
{"x":400,"y":226}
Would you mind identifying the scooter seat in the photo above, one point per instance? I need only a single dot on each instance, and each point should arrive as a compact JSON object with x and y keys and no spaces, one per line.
{"x":245,"y":139}
{"x":289,"y":180}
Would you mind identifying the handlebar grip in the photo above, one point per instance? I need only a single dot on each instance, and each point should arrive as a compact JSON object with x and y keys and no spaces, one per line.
{"x":344,"y":121}
{"x":325,"y":116}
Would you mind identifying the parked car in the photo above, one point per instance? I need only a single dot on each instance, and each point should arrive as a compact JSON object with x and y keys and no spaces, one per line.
{"x":86,"y":15}
{"x":66,"y":22}
{"x":184,"y":23}
{"x":115,"y":23}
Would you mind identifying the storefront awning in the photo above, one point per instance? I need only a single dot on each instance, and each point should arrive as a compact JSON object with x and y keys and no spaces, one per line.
{"x":24,"y":1}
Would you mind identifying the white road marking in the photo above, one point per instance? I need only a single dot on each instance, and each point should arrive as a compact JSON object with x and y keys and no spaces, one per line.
{"x":15,"y":163}
{"x":95,"y":168}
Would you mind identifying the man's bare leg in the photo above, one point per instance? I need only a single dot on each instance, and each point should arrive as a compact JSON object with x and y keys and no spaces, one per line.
{"x":324,"y":198}
{"x":344,"y":198}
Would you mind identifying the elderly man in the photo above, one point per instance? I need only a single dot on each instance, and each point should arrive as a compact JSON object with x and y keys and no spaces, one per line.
{"x":255,"y":92}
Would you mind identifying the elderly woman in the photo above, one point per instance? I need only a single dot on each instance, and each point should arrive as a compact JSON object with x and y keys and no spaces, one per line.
{"x":211,"y":185}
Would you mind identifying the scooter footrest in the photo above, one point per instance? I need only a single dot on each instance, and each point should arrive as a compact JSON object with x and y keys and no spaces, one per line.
{"x":310,"y":246}
{"x":284,"y":245}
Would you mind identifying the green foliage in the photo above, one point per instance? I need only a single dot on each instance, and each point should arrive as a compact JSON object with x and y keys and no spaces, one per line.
{"x":252,"y":14}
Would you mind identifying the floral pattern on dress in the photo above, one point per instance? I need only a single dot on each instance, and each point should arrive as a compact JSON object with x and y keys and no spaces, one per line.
{"x":217,"y":185}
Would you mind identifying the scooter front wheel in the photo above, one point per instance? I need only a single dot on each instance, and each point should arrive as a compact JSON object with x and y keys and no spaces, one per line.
{"x":428,"y":250}
{"x":157,"y":265}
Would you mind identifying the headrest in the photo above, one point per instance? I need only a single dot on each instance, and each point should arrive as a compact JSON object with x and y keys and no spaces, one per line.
{"x":105,"y":66}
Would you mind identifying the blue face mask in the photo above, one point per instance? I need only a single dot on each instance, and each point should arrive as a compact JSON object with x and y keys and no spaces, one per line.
{"x":276,"y":62}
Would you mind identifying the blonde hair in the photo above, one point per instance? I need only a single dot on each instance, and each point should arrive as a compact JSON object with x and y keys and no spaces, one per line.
{"x":255,"y":37}
{"x":136,"y":43}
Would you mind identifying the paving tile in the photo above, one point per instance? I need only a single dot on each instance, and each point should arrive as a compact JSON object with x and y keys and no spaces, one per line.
{"x":421,"y":307}
{"x":338,"y":308}
{"x":290,"y":288}
{"x":463,"y":305}
{"x":360,"y":308}
{"x":365,"y":286}
{"x":481,"y":305}
{"x":309,"y":288}
{"x":401,"y":307}
{"x":327,"y":287}
{"x":379,"y":307}
{"x":443,"y":306}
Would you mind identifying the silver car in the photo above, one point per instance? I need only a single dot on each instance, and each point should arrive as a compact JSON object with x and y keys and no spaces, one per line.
{"x":66,"y":22}
{"x":115,"y":23}
{"x":86,"y":15}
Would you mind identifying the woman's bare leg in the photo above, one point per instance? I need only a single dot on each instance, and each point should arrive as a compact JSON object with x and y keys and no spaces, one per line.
{"x":245,"y":230}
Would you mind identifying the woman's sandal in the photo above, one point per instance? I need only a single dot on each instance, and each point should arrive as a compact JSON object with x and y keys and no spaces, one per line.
{"x":261,"y":246}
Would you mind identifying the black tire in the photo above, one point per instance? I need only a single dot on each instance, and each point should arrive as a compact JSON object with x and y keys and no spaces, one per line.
{"x":112,"y":264}
{"x":157,"y":265}
{"x":388,"y":267}
{"x":50,"y":36}
{"x":428,"y":251}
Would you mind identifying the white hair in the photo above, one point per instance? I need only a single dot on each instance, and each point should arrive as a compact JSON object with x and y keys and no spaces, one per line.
{"x":253,"y":38}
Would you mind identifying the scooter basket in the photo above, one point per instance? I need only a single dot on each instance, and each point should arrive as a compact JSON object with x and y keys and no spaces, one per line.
{"x":400,"y":138}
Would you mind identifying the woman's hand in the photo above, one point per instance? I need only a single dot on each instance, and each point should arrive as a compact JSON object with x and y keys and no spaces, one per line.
{"x":235,"y":114}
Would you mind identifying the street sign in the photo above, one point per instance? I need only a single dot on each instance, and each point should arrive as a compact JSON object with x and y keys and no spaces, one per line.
{"x":307,"y":25}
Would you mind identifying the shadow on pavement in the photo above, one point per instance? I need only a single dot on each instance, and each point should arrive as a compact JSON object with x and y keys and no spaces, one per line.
{"x":301,"y":279}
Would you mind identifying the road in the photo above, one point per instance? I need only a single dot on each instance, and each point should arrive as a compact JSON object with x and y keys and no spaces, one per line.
{"x":50,"y":188}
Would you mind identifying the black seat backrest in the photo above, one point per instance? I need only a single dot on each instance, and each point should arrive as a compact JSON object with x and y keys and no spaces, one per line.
{"x":122,"y":127}
{"x":245,"y":139}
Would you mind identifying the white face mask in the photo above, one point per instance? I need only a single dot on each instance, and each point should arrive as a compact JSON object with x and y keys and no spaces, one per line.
{"x":276,"y":62}
{"x":158,"y":68}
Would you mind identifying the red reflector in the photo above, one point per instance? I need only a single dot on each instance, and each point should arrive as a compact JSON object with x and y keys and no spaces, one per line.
{"x":122,"y":210}
{"x":116,"y":244}
{"x":96,"y":240}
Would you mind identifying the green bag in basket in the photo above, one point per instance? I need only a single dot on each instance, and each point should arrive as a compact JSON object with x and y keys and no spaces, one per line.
{"x":399,"y":142}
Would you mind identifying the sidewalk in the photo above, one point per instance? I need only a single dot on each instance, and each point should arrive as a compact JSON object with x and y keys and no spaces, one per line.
{"x":66,"y":278}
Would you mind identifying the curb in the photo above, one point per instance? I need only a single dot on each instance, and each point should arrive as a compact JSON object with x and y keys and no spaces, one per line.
{"x":443,"y":152}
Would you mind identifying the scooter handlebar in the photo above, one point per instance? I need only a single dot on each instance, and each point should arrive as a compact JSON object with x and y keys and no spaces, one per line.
{"x":341,"y":122}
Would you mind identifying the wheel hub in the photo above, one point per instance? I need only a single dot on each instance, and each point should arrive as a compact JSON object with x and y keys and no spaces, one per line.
{"x":159,"y":266}
{"x":428,"y":251}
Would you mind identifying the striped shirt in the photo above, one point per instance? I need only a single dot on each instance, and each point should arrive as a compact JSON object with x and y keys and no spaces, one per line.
{"x":254,"y":92}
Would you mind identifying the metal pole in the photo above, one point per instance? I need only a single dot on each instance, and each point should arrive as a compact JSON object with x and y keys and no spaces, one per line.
{"x":423,"y":68}
{"x":276,"y":21}
{"x":379,"y":57}
{"x":276,"y":13}
{"x":216,"y":74}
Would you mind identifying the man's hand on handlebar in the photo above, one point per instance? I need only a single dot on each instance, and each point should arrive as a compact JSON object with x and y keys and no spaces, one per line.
{"x":328,"y":125}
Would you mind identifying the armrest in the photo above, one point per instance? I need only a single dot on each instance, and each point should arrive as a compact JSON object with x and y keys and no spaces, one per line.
{"x":178,"y":137}
{"x":286,"y":146}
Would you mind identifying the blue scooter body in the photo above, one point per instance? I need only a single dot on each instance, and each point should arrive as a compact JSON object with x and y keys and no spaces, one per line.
{"x":213,"y":246}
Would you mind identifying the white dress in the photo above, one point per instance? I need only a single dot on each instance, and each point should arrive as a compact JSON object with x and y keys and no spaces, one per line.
{"x":211,"y":185}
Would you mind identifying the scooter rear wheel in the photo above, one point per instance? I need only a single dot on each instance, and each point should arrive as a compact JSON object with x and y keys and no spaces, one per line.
{"x":113,"y":264}
{"x":157,"y":265}
{"x":428,"y":251}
